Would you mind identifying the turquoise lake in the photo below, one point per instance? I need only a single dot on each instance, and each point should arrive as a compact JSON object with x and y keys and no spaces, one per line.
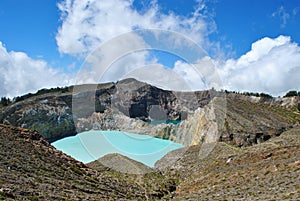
{"x":91,"y":145}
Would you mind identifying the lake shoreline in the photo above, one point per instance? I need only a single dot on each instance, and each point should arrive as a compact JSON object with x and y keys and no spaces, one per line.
{"x":91,"y":145}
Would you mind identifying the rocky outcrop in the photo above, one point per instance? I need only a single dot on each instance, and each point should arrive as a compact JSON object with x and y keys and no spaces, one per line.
{"x":32,"y":169}
{"x":129,"y":105}
{"x":286,"y":102}
{"x":50,"y":115}
{"x":105,"y":106}
{"x":267,"y":171}
{"x":203,"y":126}
{"x":145,"y":102}
{"x":120,"y":163}
{"x":235,"y":121}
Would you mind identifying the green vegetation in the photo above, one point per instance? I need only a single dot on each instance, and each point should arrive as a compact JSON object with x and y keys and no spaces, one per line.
{"x":43,"y":91}
{"x":155,"y":122}
{"x":167,"y":133}
{"x":5,"y":101}
{"x":33,"y":198}
{"x":77,"y":170}
{"x":291,"y":94}
{"x":249,"y":94}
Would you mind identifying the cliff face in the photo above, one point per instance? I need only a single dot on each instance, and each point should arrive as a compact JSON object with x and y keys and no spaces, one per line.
{"x":109,"y":106}
{"x":50,"y":115}
{"x":235,"y":120}
{"x":129,"y":105}
{"x":203,"y":126}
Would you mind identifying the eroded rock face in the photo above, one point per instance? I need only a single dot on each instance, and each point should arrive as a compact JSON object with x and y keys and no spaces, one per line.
{"x":122,"y":106}
{"x":205,"y":116}
{"x":138,"y":100}
{"x":51,"y":116}
{"x":200,"y":127}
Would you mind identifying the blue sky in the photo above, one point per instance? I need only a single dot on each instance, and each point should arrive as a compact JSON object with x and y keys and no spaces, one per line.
{"x":56,"y":36}
{"x":30,"y":26}
{"x":240,"y":23}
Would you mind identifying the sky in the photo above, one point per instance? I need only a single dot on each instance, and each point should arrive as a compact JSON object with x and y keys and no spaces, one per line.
{"x":249,"y":45}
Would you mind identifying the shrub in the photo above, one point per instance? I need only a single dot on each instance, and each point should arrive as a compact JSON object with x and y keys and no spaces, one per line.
{"x":291,"y":93}
{"x":5,"y":101}
{"x":265,"y":95}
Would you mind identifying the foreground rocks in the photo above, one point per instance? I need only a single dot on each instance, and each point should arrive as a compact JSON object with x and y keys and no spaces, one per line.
{"x":267,"y":171}
{"x":121,"y":164}
{"x":237,"y":147}
{"x":31,"y":169}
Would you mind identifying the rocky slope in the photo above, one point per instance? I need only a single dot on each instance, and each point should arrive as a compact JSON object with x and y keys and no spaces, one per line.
{"x":50,"y":114}
{"x":129,"y":105}
{"x":267,"y":171}
{"x":31,"y":169}
{"x":237,"y":147}
{"x":120,"y":163}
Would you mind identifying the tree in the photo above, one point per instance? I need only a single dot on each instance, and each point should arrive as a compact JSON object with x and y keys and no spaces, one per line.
{"x":265,"y":95}
{"x":18,"y":98}
{"x":298,"y":107}
{"x":5,"y":101}
{"x":290,"y":94}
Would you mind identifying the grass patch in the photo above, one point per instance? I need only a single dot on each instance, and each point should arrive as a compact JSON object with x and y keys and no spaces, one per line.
{"x":77,"y":170}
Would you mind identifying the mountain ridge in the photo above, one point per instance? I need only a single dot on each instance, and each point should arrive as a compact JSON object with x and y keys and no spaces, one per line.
{"x":128,"y":104}
{"x":236,"y":146}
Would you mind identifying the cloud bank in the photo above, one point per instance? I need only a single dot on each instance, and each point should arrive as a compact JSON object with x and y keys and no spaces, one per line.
{"x":20,"y":74}
{"x":271,"y":66}
{"x":88,"y":23}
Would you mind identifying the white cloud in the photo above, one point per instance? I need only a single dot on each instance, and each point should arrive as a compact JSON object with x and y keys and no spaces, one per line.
{"x":182,"y":77}
{"x":113,"y":59}
{"x":88,"y":23}
{"x":201,"y":75}
{"x":282,"y":15}
{"x":128,"y":55}
{"x":271,"y":66}
{"x":20,"y":74}
{"x":165,"y":78}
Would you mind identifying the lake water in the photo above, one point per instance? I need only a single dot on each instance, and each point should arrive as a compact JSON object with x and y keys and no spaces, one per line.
{"x":156,"y":122}
{"x":91,"y":145}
